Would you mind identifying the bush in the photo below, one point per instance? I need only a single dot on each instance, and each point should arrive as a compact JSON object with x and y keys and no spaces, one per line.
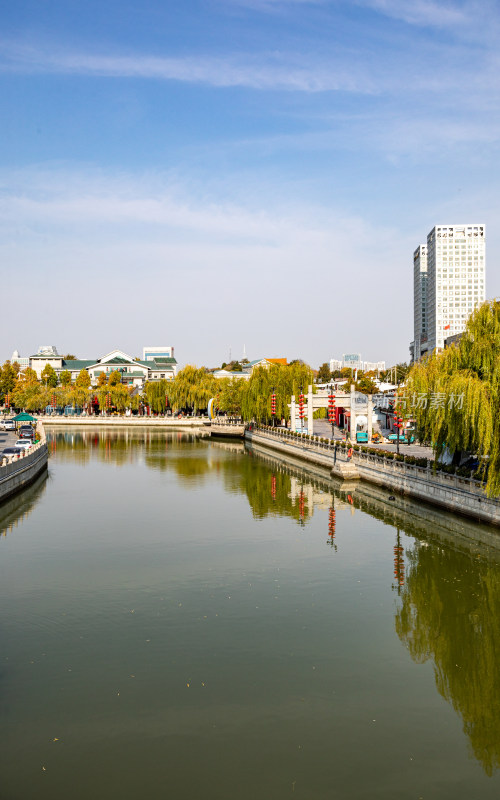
{"x":389,"y":455}
{"x":356,"y":447}
{"x":399,"y":456}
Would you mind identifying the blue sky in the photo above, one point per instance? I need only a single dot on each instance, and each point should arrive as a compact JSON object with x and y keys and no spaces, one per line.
{"x":218,"y":173}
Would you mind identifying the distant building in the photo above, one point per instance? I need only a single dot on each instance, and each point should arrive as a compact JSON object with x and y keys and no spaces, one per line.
{"x":163,"y":356}
{"x":354,"y":361}
{"x":420,"y":310}
{"x":133,"y":373}
{"x":455,"y":283}
{"x":23,"y":361}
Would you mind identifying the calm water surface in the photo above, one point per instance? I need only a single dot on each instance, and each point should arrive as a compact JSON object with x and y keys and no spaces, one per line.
{"x":185,"y":619}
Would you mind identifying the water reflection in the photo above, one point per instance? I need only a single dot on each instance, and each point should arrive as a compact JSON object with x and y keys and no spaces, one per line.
{"x":443,"y":571}
{"x":450,"y":613}
{"x":15,"y":510}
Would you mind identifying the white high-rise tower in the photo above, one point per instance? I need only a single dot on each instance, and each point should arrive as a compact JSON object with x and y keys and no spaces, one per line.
{"x":456,"y":282}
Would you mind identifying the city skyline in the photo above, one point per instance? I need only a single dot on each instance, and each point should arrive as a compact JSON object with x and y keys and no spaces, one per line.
{"x":250,"y":171}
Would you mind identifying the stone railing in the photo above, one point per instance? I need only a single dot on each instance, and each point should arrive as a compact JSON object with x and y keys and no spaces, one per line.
{"x":465,"y":496}
{"x":19,"y":470}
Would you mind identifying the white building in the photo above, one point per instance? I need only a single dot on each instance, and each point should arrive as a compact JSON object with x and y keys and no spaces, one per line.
{"x":456,"y":265}
{"x":354,"y":361}
{"x":163,"y":356}
{"x":420,"y":320}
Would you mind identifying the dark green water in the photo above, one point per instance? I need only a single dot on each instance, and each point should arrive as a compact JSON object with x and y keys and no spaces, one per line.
{"x":178,"y":621}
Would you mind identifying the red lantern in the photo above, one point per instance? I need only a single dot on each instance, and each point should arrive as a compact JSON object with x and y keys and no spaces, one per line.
{"x":331,"y":408}
{"x":301,"y":406}
{"x":273,"y":404}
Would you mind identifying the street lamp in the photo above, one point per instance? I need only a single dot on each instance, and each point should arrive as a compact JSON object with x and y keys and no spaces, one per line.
{"x":273,"y":406}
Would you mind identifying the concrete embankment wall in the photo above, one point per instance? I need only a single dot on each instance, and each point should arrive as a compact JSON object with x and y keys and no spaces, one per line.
{"x":459,"y":495}
{"x":119,"y":421}
{"x":21,"y":471}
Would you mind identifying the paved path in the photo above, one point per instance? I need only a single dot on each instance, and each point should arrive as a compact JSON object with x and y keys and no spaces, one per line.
{"x":323,"y":428}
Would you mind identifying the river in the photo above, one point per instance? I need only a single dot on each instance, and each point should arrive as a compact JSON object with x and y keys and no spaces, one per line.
{"x":182,"y":618}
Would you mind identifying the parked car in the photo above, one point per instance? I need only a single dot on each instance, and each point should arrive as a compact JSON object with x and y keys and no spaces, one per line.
{"x":11,"y":451}
{"x":26,"y":432}
{"x":24,"y":443}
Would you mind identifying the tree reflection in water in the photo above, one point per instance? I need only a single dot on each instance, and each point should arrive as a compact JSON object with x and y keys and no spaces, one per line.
{"x":449,"y":596}
{"x":450,"y":612}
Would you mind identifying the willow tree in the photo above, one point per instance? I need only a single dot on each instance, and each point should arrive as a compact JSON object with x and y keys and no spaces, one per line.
{"x":230,"y":394}
{"x":192,"y":388}
{"x":283,"y":381}
{"x":156,"y":393}
{"x":455,"y":395}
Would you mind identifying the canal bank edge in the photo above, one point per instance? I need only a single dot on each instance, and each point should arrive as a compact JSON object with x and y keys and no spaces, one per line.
{"x":119,"y":421}
{"x":19,"y":472}
{"x":459,"y":495}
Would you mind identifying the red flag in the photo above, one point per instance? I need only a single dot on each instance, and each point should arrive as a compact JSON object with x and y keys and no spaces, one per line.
{"x":446,"y":328}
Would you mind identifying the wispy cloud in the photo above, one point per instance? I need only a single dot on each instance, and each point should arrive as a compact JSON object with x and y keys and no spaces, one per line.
{"x":130,"y":231}
{"x":263,"y":71}
{"x":472,"y":17}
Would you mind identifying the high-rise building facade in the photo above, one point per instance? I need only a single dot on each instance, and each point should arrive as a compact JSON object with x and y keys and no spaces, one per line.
{"x":454,"y":286}
{"x":420,"y":310}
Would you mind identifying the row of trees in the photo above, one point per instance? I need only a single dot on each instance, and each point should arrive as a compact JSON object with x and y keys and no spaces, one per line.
{"x":191,"y":390}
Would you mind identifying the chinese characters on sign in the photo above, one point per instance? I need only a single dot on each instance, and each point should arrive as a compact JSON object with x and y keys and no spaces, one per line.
{"x":433,"y":400}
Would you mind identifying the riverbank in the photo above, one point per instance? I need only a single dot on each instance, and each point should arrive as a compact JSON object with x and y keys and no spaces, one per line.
{"x":464,"y":496}
{"x":19,"y":472}
{"x":121,"y":420}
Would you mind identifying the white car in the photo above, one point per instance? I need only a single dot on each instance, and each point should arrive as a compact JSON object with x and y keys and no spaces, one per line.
{"x":26,"y":443}
{"x":8,"y":425}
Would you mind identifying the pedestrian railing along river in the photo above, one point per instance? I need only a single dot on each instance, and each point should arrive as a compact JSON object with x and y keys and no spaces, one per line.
{"x":459,"y":494}
{"x":19,"y":470}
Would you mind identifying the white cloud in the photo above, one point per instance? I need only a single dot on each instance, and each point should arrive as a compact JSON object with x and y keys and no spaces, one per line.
{"x":139,"y":254}
{"x":262,"y":71}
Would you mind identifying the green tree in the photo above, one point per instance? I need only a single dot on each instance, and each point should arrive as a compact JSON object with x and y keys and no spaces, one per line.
{"x":156,"y":393}
{"x":49,"y":376}
{"x":324,"y":375}
{"x":83,"y":379}
{"x":69,"y":357}
{"x":8,"y":377}
{"x":192,"y":388}
{"x":462,"y":387}
{"x":115,"y":378}
{"x":229,"y":395}
{"x":102,"y":379}
{"x":65,"y":377}
{"x":283,"y":381}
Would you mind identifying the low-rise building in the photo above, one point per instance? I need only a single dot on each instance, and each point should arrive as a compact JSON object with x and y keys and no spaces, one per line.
{"x":133,"y":372}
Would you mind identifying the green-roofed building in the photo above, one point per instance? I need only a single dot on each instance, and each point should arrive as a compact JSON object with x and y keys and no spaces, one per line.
{"x":133,"y":371}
